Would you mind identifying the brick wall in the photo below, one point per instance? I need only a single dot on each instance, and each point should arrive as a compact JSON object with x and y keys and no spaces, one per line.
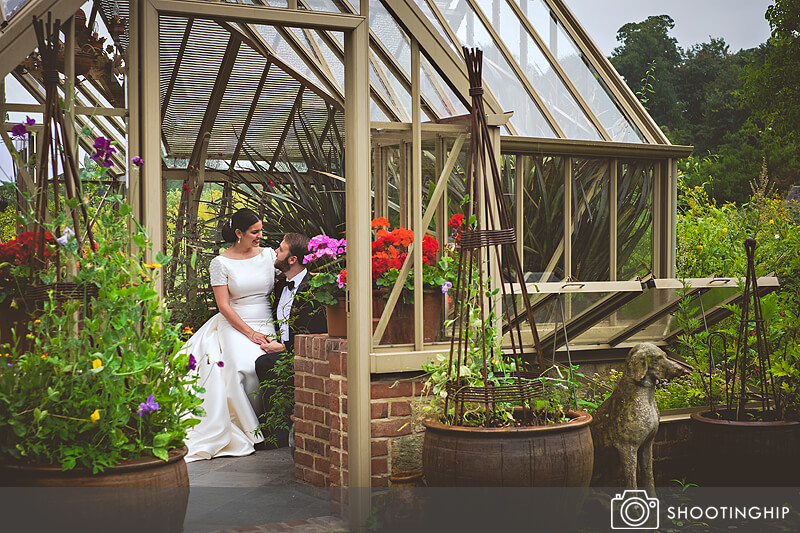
{"x":321,"y":422}
{"x":672,"y":450}
{"x":321,"y":416}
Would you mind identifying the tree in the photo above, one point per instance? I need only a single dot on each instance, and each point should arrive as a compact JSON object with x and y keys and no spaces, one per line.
{"x":709,"y":88}
{"x":772,"y":88}
{"x":649,"y":42}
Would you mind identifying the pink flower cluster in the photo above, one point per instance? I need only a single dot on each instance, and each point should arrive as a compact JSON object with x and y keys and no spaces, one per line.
{"x":324,"y":246}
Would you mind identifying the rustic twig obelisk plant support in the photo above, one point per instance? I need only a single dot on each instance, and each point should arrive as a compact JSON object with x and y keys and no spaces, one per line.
{"x":57,"y":150}
{"x":487,"y":236}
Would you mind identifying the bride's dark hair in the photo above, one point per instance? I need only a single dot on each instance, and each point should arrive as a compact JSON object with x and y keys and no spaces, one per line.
{"x":241,"y":220}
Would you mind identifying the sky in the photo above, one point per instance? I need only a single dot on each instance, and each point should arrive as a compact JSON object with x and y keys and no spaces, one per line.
{"x":740,"y":22}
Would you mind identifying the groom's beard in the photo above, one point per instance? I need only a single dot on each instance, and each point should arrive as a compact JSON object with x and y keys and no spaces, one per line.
{"x":283,"y":266}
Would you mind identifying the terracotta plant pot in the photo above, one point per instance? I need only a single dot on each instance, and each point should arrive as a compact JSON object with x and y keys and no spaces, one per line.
{"x":145,"y":494}
{"x":747,"y":453}
{"x":559,"y":455}
{"x":336,"y":316}
{"x":400,"y":329}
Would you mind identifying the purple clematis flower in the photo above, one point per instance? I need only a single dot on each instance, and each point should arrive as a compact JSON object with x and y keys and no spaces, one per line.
{"x":192,"y":362}
{"x":29,"y":121}
{"x":149,"y":406}
{"x":446,"y":286}
{"x":137,"y":161}
{"x":19,"y":130}
{"x":220,"y":364}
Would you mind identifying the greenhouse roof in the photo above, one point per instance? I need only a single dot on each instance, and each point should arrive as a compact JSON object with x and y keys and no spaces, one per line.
{"x":257,"y":81}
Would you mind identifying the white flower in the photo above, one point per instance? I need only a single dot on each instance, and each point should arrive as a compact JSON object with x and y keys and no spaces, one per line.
{"x":777,"y":236}
{"x":443,"y":393}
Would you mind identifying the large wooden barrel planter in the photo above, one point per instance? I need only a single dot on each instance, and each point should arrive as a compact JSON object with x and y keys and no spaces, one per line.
{"x":560,"y":455}
{"x":139,"y":494}
{"x":735,"y":453}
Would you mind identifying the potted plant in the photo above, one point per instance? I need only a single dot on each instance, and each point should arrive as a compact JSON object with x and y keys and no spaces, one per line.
{"x":390,"y":247}
{"x":328,"y":285}
{"x":97,"y":391}
{"x":476,"y":443}
{"x":389,"y":251}
{"x":749,"y":438}
{"x":101,"y":379}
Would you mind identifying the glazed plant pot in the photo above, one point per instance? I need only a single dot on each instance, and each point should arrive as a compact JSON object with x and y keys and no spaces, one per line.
{"x":559,"y":455}
{"x":138,"y":494}
{"x":750,"y":453}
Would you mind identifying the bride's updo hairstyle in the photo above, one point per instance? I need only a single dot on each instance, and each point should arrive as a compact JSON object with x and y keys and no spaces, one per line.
{"x":241,"y":220}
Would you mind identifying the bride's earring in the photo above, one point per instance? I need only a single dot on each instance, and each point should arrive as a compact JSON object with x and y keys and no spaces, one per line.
{"x":239,"y":241}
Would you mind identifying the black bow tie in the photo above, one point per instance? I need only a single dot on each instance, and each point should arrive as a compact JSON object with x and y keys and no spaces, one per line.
{"x":290,"y":285}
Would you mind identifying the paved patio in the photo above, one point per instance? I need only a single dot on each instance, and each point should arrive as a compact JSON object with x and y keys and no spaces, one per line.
{"x":255,"y":494}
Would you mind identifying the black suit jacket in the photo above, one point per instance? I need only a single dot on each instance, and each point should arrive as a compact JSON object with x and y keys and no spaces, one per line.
{"x":307,"y":315}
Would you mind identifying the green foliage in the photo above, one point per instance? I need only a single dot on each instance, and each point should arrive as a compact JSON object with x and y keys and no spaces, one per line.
{"x":559,"y":388}
{"x":773,"y":87}
{"x":736,"y":109}
{"x":280,"y":388}
{"x":647,"y":48}
{"x":71,"y":391}
{"x":711,"y":240}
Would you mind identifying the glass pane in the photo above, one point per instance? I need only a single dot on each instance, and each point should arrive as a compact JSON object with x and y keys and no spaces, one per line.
{"x":10,"y":7}
{"x":439,"y":94}
{"x":398,"y":45}
{"x":584,"y":78}
{"x":332,"y":59}
{"x":543,"y":204}
{"x":634,"y":219}
{"x":591,"y":237}
{"x":390,"y":34}
{"x":498,"y":75}
{"x":544,"y":79}
{"x":284,"y":52}
{"x":276,"y":3}
{"x":395,"y":94}
{"x":426,"y":9}
{"x":324,"y":5}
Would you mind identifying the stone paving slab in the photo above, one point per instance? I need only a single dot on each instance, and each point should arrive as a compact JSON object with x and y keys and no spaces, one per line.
{"x":255,"y":494}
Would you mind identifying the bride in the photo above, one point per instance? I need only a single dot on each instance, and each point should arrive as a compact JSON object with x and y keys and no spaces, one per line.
{"x":226,"y":347}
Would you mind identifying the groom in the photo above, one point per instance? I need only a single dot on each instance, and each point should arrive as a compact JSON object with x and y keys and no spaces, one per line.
{"x":292,"y":314}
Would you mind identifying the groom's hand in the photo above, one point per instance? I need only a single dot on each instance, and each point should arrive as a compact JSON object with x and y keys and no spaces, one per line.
{"x":273,"y":347}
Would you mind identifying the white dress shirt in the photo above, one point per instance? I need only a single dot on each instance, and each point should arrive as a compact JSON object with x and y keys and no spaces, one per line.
{"x":284,"y":310}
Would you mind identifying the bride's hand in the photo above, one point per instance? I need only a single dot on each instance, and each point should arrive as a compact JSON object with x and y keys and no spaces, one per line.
{"x":273,"y":347}
{"x":259,"y":338}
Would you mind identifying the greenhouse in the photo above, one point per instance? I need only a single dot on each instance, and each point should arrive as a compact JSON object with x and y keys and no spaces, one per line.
{"x":324,"y":115}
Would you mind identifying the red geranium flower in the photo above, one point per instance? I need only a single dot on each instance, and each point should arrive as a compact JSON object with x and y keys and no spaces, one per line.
{"x":456,"y":221}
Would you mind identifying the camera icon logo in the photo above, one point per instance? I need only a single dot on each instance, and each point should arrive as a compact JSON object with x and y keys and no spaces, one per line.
{"x":634,"y":509}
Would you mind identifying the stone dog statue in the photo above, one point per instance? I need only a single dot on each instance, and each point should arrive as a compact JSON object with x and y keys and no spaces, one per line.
{"x":624,"y":426}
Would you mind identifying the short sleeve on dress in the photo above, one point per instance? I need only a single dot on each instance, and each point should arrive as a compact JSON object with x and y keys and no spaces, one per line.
{"x":219,"y":274}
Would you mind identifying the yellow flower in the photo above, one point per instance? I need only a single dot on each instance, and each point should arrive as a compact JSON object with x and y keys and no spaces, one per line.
{"x":97,"y":363}
{"x":699,"y":246}
{"x":44,"y":355}
{"x":37,"y":321}
{"x":724,"y":230}
{"x":152,"y":265}
{"x":188,"y":330}
{"x":771,"y":221}
{"x":95,"y":416}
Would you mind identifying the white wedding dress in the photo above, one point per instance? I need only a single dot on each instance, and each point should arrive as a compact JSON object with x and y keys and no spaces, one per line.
{"x":229,"y":426}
